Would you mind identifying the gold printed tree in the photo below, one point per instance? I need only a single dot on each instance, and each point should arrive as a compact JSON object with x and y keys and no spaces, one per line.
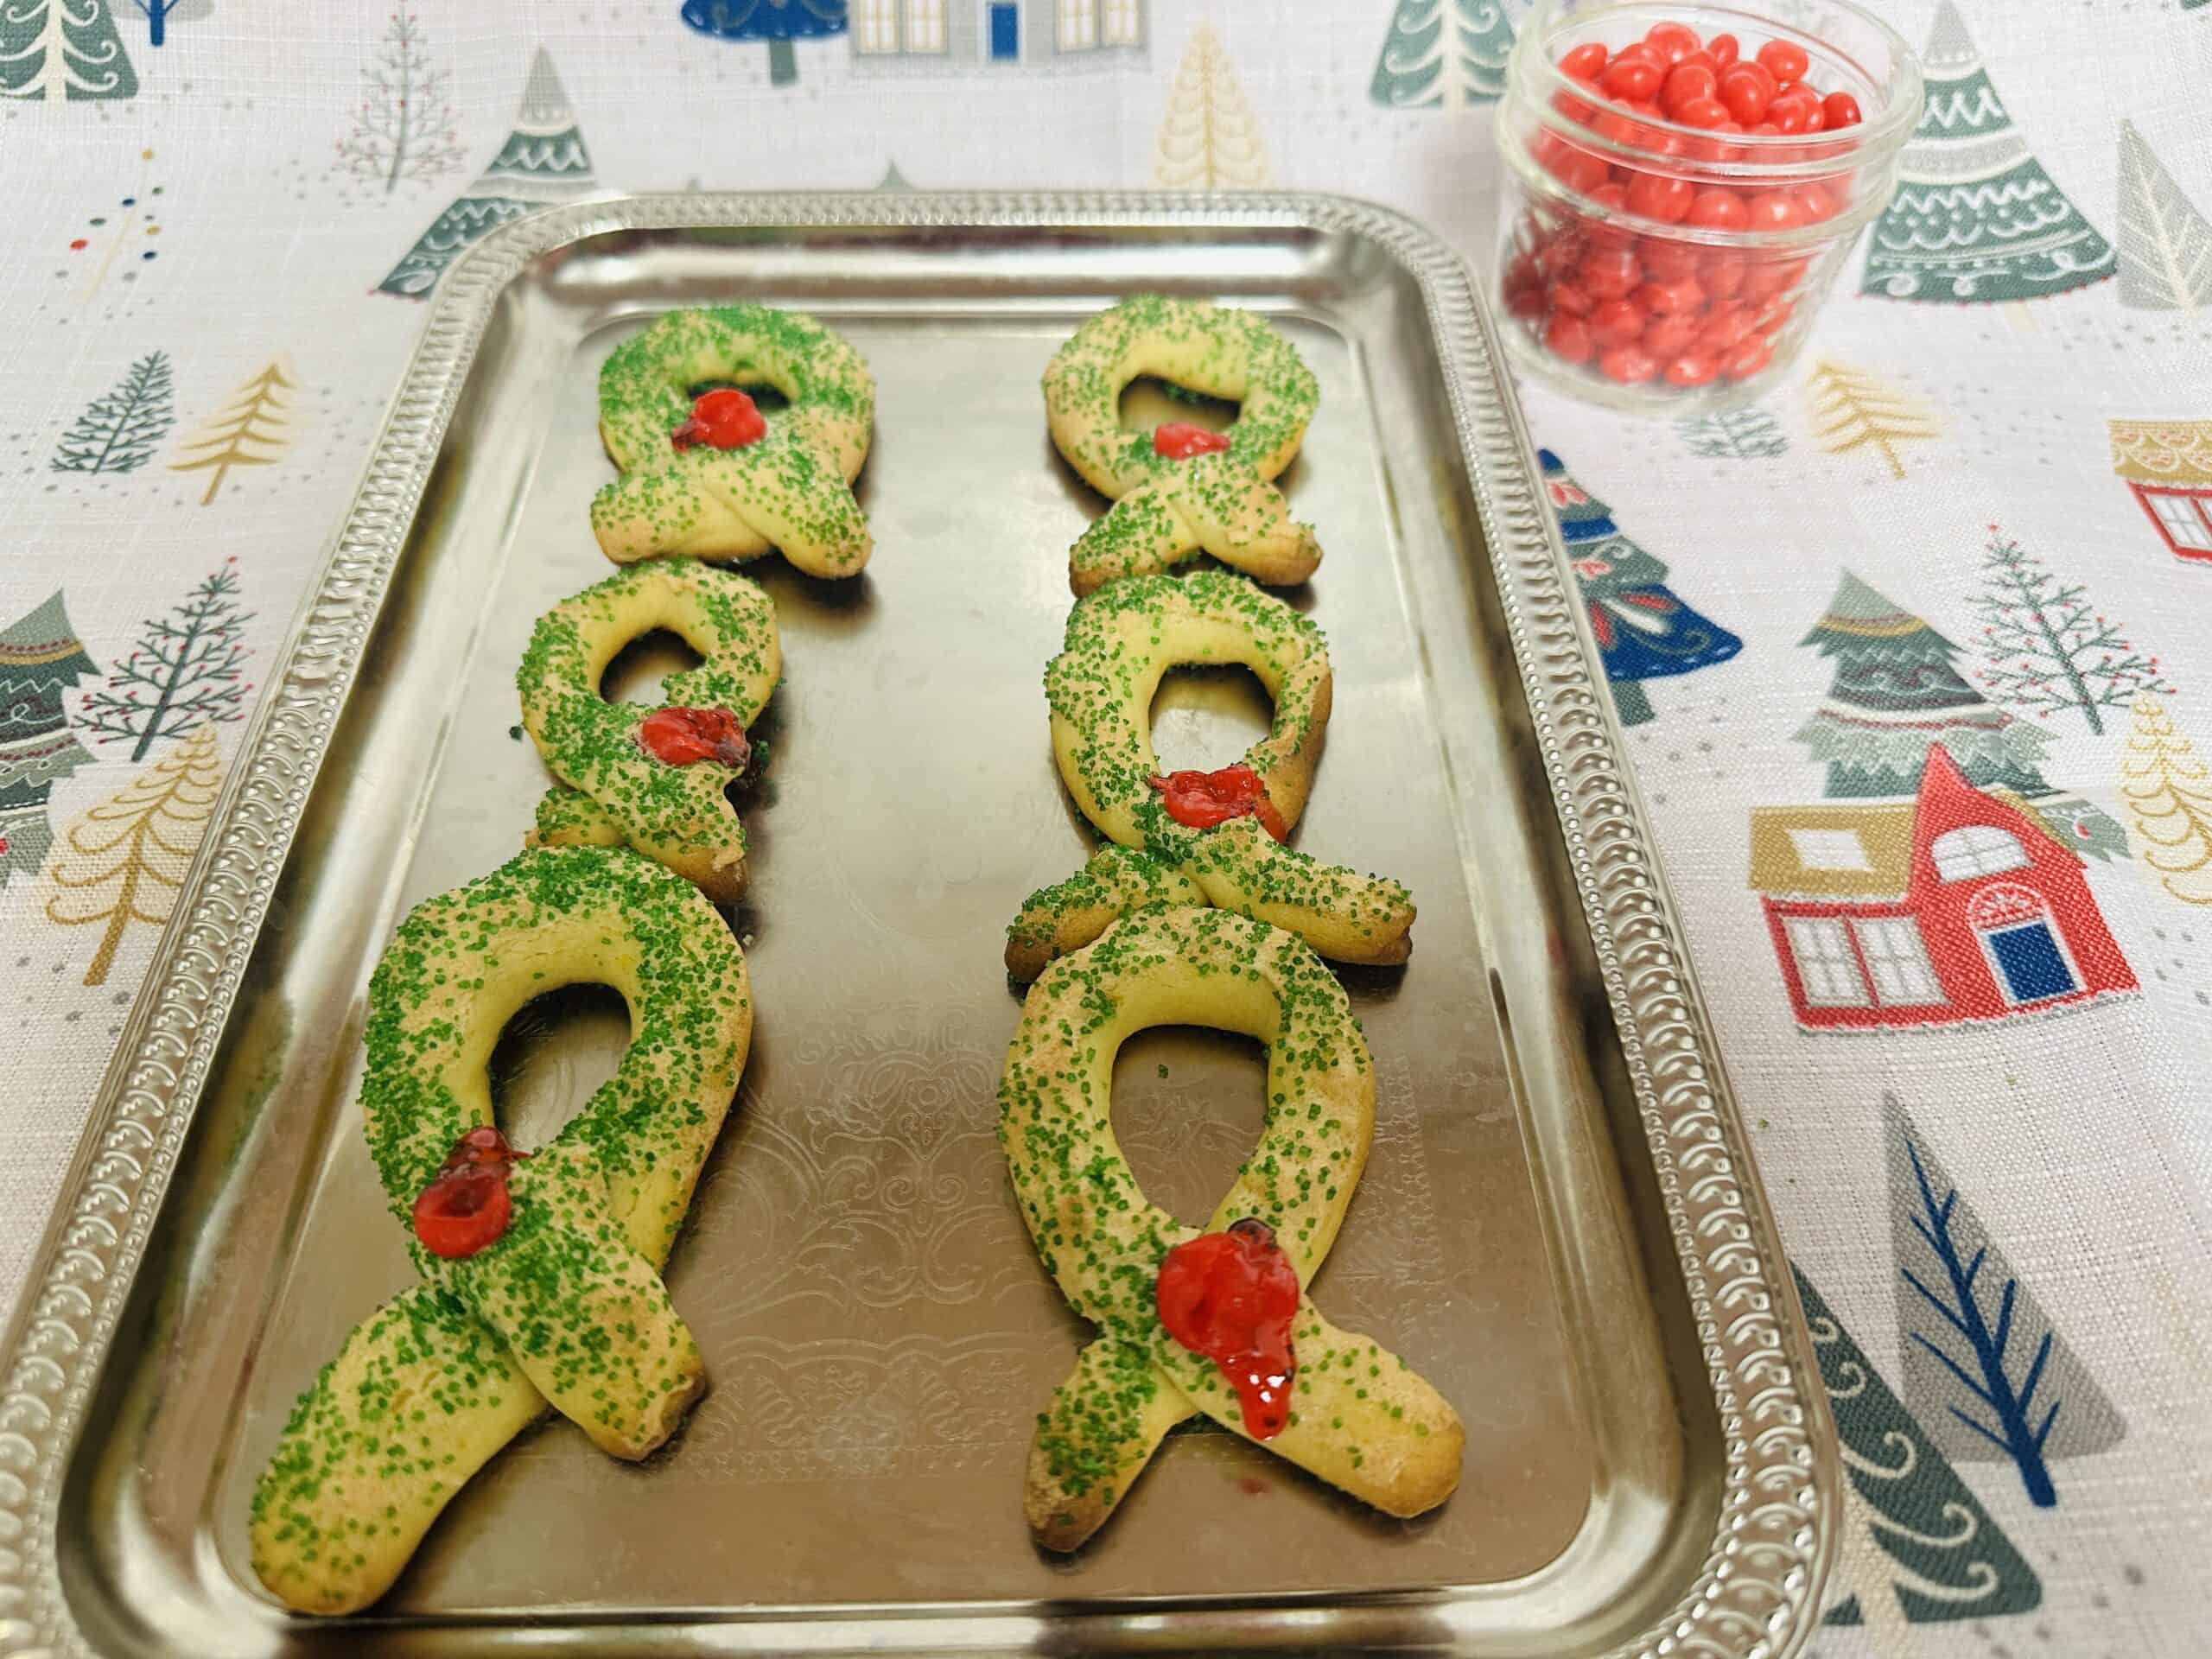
{"x":1853,"y":409}
{"x":248,"y":431}
{"x":1209,"y":139}
{"x":2169,"y":794}
{"x":124,"y":860}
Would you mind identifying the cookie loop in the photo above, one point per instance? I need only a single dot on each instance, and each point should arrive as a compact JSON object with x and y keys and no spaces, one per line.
{"x":1119,"y":642}
{"x":621,"y":783}
{"x":565,"y":1308}
{"x":1167,"y":509}
{"x":1358,"y":1417}
{"x":791,"y":488}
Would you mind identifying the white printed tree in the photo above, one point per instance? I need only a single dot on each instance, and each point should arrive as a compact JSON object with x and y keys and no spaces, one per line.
{"x":2165,"y":244}
{"x":55,"y":49}
{"x":1208,"y":139}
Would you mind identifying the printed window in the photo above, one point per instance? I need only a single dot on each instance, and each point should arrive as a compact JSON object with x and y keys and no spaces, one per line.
{"x":879,"y":26}
{"x":1976,"y":849}
{"x":1829,"y":849}
{"x":1124,"y":26}
{"x":1077,"y":29}
{"x":925,"y":25}
{"x":1897,"y":961}
{"x":1825,"y":963}
{"x":2184,"y":517}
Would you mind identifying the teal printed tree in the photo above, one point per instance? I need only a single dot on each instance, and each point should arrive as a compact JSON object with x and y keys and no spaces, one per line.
{"x":55,"y":49}
{"x":1643,"y":631}
{"x":1895,"y":691}
{"x":1749,"y":434}
{"x":1948,"y":1558}
{"x":542,"y":162}
{"x":41,"y":657}
{"x":1443,"y":54}
{"x":1975,"y":219}
{"x":184,"y":675}
{"x":118,"y":433}
{"x":1983,"y":1371}
{"x":2049,"y":650}
{"x":2166,"y":243}
{"x":404,"y":126}
{"x":776,"y":22}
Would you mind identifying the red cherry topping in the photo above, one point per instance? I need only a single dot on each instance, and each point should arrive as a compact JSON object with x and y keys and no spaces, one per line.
{"x":1179,"y":441}
{"x":724,"y":418}
{"x":465,"y":1207}
{"x":679,"y":737}
{"x":1232,"y":1297}
{"x":1200,"y":800}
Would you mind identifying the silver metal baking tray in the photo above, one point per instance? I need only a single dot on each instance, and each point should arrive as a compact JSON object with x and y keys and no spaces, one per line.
{"x":1560,"y":1225}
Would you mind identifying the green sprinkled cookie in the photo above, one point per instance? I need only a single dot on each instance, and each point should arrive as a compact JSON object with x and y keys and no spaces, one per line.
{"x":1172,"y":502}
{"x":781,"y":483}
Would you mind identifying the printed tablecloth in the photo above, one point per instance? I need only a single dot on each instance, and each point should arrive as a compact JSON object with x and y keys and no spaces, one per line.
{"x":1914,"y":656}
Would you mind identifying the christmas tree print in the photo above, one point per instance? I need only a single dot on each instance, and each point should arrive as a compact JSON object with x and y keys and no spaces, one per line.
{"x":1209,"y":139}
{"x":248,"y":431}
{"x":117,"y":433}
{"x":1975,"y":218}
{"x":184,"y":675}
{"x":542,"y":162}
{"x":41,"y":657}
{"x":1643,"y":631}
{"x":1851,"y":410}
{"x":1946,"y":1558}
{"x":776,"y":22}
{"x":55,"y":49}
{"x":1895,"y":691}
{"x":124,"y":860}
{"x":2049,"y":648}
{"x":404,"y":127}
{"x":127,"y":227}
{"x":1443,"y":54}
{"x":2169,"y":795}
{"x":156,"y":13}
{"x":1749,"y":434}
{"x":1983,"y":1371}
{"x":2166,"y":243}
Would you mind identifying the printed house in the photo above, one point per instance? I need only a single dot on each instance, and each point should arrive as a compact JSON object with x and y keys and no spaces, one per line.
{"x":1956,"y":905}
{"x":2167,"y":464}
{"x":892,"y":35}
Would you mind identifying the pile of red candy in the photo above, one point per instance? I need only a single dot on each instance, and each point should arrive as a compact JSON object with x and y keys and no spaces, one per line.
{"x":1642,"y":305}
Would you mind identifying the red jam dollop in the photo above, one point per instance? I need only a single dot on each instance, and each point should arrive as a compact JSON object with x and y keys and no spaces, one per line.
{"x":465,"y":1207}
{"x":1232,"y":1297}
{"x":680,"y":736}
{"x":1202,"y":799}
{"x":724,"y":418}
{"x":1179,"y":441}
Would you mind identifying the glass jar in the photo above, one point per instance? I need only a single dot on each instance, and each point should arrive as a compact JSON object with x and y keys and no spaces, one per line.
{"x":1656,"y":252}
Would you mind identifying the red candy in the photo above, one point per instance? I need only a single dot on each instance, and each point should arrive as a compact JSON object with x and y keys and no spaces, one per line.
{"x":1785,"y":62}
{"x":465,"y":1207}
{"x":1583,"y":63}
{"x":1629,"y":80}
{"x":1841,"y":110}
{"x":1658,"y":196}
{"x":1568,"y":338}
{"x":1179,"y":441}
{"x":1723,"y":50}
{"x":1718,"y":209}
{"x":722,"y":419}
{"x":1673,"y":42}
{"x":1687,"y":83}
{"x":1630,"y":364}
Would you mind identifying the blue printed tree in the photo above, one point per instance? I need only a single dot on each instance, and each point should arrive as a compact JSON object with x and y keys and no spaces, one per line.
{"x":184,"y":673}
{"x":41,"y":657}
{"x":1643,"y":631}
{"x":117,"y":433}
{"x":1951,"y":1561}
{"x":1443,"y":54}
{"x":776,"y":22}
{"x":1984,"y":1370}
{"x":156,"y":13}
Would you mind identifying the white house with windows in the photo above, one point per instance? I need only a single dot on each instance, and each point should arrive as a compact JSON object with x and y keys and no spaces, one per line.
{"x":906,"y":36}
{"x":1959,"y":904}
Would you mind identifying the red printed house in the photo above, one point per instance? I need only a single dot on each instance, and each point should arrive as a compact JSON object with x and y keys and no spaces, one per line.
{"x":1956,"y":905}
{"x":2168,"y":466}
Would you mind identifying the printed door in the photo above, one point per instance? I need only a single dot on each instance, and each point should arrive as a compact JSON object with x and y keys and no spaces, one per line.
{"x":1006,"y":32}
{"x":2030,"y":962}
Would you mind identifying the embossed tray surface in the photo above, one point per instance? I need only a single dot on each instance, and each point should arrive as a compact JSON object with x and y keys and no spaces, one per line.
{"x":1559,"y":1226}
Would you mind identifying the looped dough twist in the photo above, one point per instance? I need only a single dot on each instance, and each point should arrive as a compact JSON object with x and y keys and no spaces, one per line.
{"x":1165,"y":511}
{"x":1120,"y":641}
{"x":791,"y":489}
{"x":565,"y":1308}
{"x":615,"y":791}
{"x":1359,"y":1417}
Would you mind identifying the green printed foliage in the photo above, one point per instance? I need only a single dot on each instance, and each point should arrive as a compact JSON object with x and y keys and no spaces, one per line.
{"x":2050,"y":649}
{"x":1734,"y":435}
{"x":185,"y":673}
{"x":1443,"y":54}
{"x":57,"y":49}
{"x":118,"y":433}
